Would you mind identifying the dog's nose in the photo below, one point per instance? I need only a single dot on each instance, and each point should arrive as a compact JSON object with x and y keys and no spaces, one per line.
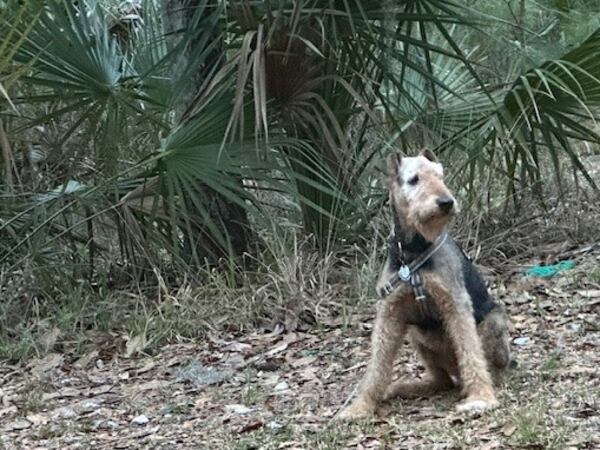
{"x":445,"y":203}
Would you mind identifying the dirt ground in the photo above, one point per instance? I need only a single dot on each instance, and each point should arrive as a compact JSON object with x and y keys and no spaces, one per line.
{"x":279,"y":390}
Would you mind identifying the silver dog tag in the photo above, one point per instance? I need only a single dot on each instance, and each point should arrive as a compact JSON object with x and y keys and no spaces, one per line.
{"x":404,"y":273}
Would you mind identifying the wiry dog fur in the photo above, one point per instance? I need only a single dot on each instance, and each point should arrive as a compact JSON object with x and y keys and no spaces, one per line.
{"x":462,"y":334}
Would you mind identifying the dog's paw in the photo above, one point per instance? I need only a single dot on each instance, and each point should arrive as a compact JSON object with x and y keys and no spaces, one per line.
{"x":356,"y":410}
{"x":475,"y":406}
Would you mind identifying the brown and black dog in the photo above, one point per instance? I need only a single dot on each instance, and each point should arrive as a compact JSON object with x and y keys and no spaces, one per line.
{"x":443,"y":305}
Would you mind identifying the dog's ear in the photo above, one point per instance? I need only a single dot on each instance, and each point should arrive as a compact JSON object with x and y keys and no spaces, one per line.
{"x":429,"y":155}
{"x":393,"y":164}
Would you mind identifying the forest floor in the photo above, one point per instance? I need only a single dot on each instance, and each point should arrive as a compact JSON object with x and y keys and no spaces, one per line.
{"x":280,"y":390}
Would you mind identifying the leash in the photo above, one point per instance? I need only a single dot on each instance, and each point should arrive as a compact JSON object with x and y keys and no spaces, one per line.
{"x":409,"y":273}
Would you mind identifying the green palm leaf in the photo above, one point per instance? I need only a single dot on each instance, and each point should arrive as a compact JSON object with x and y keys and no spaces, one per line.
{"x":529,"y":125}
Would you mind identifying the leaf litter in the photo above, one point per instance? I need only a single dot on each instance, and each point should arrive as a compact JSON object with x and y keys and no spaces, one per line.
{"x":280,"y":390}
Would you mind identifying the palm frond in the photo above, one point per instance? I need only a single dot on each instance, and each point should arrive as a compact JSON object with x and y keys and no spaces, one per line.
{"x":535,"y":119}
{"x":346,"y":52}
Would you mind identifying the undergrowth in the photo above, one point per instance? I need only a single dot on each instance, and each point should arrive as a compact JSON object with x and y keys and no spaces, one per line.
{"x":289,"y":284}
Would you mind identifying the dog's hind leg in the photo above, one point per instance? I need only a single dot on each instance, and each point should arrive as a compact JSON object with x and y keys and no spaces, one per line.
{"x":495,"y":338}
{"x":436,"y":378}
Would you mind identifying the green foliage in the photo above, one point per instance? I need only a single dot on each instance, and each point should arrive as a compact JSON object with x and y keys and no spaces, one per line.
{"x":536,"y":120}
{"x":164,"y":146}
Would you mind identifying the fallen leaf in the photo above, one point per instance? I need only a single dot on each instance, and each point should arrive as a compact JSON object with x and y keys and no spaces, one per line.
{"x":589,"y":293}
{"x":239,"y":347}
{"x":240,"y":410}
{"x":509,"y":429}
{"x":19,"y":424}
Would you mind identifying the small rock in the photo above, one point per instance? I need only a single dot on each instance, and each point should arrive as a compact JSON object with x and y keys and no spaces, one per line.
{"x":140,"y":420}
{"x":239,"y":410}
{"x":99,"y":364}
{"x":522,"y":341}
{"x":282,"y":386}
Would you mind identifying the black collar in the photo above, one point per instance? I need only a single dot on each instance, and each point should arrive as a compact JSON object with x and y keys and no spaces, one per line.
{"x":412,"y":243}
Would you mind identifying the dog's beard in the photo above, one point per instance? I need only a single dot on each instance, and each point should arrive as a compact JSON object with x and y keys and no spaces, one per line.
{"x":432,"y":225}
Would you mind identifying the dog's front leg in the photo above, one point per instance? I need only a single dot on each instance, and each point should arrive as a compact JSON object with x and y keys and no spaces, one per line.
{"x":461,"y":328}
{"x":388,"y":332}
{"x":384,"y":277}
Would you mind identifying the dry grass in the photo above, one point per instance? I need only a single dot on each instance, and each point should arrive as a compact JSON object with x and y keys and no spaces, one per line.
{"x":289,"y":284}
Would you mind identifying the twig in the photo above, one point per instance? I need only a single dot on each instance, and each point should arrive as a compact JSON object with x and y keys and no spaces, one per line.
{"x":8,"y":159}
{"x":354,"y":367}
{"x":341,"y":408}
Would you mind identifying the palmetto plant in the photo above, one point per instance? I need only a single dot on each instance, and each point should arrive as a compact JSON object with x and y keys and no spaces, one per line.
{"x":315,"y":70}
{"x":532,"y":123}
{"x":290,"y":99}
{"x":119,"y":96}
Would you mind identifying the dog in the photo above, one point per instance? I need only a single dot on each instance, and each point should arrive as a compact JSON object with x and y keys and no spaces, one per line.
{"x":435,"y":295}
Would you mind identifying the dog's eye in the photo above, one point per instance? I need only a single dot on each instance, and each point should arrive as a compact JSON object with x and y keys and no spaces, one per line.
{"x":413,"y":180}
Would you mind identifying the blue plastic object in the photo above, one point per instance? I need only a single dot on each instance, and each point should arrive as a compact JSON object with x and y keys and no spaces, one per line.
{"x":549,"y":271}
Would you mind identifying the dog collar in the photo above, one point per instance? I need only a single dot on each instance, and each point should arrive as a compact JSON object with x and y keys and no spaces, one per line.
{"x":409,"y":273}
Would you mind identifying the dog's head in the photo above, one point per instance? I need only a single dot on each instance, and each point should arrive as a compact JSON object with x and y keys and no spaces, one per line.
{"x":418,"y":193}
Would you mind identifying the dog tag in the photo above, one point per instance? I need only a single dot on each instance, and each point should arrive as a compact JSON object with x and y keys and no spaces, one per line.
{"x":404,"y":273}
